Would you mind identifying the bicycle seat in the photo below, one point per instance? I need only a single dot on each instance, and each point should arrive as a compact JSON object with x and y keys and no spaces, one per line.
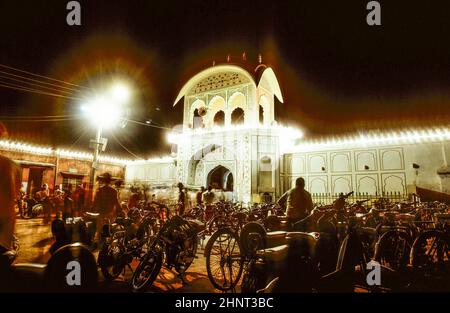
{"x":275,"y":254}
{"x":92,"y":215}
{"x":405,"y":217}
{"x":368,"y":231}
{"x":276,"y":238}
{"x":293,"y":236}
{"x":391,"y":214}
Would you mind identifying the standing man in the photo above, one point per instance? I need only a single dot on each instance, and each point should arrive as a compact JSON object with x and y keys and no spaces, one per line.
{"x":181,"y":199}
{"x":106,"y":201}
{"x":299,"y":203}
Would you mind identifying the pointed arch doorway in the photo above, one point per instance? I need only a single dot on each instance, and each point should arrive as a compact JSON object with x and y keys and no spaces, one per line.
{"x":221,"y":177}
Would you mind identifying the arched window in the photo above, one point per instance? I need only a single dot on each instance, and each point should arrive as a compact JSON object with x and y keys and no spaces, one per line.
{"x":261,"y":114}
{"x":237,"y":116}
{"x":219,"y":118}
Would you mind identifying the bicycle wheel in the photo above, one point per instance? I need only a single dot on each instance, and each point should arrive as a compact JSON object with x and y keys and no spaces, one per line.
{"x":147,"y":270}
{"x":430,"y":252}
{"x":224,"y":261}
{"x":393,"y":249}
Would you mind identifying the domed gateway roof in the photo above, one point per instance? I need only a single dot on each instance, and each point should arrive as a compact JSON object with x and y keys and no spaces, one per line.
{"x":227,"y":75}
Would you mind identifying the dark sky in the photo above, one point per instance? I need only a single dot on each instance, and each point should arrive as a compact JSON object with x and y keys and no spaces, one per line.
{"x":337,"y":74}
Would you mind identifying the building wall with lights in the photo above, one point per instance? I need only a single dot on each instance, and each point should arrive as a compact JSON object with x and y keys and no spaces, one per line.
{"x":47,"y":166}
{"x":262,"y":156}
{"x":370,"y":169}
{"x":155,"y":173}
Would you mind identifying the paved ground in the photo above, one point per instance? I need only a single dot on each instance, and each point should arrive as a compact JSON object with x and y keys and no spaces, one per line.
{"x":36,"y":238}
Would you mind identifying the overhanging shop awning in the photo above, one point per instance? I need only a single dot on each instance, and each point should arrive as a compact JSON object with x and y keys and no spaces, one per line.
{"x":31,"y":163}
{"x":72,"y":174}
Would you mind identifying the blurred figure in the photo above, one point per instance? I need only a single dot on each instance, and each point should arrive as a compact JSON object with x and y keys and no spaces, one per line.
{"x":208,"y":199}
{"x":9,"y":189}
{"x":68,"y":202}
{"x":208,"y":196}
{"x":266,"y":198}
{"x":58,"y":199}
{"x":181,"y":199}
{"x":199,"y":196}
{"x":133,"y":200}
{"x":106,"y":201}
{"x":80,"y":198}
{"x":43,"y":196}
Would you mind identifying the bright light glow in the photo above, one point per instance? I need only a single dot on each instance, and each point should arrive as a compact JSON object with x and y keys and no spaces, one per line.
{"x":106,"y":110}
{"x":120,"y":93}
{"x":103,"y":112}
{"x":172,"y":138}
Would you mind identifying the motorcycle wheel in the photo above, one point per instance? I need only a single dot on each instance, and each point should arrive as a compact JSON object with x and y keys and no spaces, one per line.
{"x":110,"y":262}
{"x":24,"y":213}
{"x":147,"y":271}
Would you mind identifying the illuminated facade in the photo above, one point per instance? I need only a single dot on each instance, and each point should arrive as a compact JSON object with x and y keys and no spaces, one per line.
{"x":230,"y":138}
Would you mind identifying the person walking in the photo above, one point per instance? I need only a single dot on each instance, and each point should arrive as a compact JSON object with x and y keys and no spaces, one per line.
{"x":208,"y":199}
{"x":199,"y":196}
{"x":208,"y":196}
{"x":181,"y":199}
{"x":80,"y":199}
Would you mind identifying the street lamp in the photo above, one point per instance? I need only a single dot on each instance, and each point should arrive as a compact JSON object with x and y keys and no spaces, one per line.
{"x":105,"y":111}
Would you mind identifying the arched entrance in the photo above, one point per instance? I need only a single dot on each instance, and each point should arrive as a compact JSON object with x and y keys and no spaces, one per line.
{"x":221,"y":178}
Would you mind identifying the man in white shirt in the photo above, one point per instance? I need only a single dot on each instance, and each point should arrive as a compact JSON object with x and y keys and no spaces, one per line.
{"x":208,"y":196}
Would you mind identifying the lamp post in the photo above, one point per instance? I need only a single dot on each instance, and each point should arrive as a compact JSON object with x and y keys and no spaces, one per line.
{"x":96,"y":145}
{"x":105,"y":112}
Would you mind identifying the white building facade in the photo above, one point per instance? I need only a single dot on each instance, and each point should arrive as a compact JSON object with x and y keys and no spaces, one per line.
{"x":229,"y":138}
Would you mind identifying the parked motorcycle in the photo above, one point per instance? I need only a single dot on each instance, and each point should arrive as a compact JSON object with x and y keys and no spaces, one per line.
{"x":175,"y":246}
{"x":124,"y":240}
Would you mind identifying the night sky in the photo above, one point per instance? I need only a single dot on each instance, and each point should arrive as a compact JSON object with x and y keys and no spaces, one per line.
{"x":337,"y":74}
